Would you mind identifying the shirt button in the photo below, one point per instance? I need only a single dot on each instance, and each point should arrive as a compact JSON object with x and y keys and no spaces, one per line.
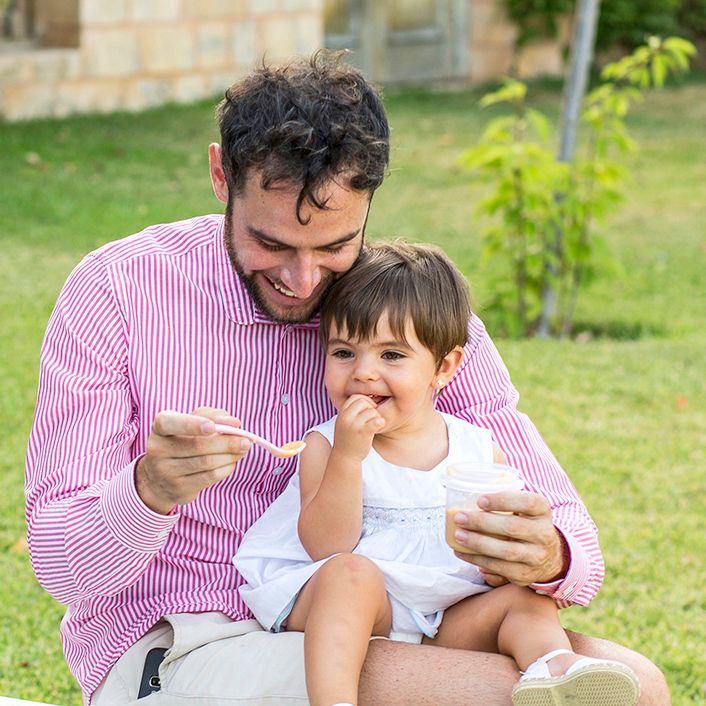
{"x":285,"y":399}
{"x":163,"y":534}
{"x":277,"y":470}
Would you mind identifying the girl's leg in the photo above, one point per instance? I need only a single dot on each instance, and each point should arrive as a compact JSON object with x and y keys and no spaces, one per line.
{"x":511,"y":620}
{"x":339,"y":608}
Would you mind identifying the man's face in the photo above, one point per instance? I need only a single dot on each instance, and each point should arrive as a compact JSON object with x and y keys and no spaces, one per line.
{"x":286,"y":266}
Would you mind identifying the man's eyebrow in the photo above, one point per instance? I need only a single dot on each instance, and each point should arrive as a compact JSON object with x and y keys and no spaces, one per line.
{"x":270,"y":239}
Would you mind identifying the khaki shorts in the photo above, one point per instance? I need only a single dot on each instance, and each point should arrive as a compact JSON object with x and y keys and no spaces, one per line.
{"x":211,"y":661}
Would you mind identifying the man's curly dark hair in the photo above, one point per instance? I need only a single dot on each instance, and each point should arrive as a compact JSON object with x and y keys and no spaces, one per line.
{"x":305,"y":123}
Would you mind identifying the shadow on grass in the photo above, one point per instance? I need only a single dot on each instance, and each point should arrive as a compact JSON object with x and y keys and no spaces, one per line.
{"x":617,"y":330}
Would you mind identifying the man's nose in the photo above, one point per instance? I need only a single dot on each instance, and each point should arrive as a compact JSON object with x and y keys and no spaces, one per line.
{"x":302,"y":277}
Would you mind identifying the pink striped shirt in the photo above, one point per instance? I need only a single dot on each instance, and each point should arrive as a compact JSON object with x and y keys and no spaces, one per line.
{"x":160,"y":320}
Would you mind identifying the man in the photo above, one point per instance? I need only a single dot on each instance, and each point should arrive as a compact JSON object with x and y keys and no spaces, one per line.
{"x":135,"y":506}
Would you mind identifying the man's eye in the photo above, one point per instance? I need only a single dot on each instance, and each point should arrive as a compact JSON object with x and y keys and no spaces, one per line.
{"x":333,"y":250}
{"x":392,"y":355}
{"x":272,"y":248}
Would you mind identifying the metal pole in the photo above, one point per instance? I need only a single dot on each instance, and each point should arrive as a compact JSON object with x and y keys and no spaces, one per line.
{"x":574,"y":89}
{"x":581,"y":57}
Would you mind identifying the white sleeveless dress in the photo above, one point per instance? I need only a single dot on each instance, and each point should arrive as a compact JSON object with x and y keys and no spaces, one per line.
{"x":403,"y":533}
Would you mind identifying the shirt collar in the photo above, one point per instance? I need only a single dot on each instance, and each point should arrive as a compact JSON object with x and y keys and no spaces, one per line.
{"x":235,"y":297}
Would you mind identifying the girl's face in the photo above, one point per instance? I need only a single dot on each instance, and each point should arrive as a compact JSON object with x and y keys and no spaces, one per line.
{"x":399,"y":377}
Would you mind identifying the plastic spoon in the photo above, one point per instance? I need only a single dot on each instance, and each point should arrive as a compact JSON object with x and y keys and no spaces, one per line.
{"x":287,"y":451}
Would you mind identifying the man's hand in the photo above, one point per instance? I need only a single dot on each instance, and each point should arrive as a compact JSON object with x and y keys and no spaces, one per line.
{"x":356,"y":425}
{"x":185,"y":455}
{"x":526,"y":547}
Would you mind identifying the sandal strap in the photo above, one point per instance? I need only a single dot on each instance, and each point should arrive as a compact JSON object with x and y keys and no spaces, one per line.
{"x":588,"y":661}
{"x":551,"y":655}
{"x":539,"y":666}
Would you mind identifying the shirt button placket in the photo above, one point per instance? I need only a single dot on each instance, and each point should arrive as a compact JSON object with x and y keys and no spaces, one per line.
{"x":284,"y":397}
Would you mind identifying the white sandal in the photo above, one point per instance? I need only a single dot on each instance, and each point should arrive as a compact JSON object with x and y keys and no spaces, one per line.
{"x":587,"y":682}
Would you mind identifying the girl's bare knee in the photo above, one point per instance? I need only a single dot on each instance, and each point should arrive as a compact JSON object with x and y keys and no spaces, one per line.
{"x":354,"y":569}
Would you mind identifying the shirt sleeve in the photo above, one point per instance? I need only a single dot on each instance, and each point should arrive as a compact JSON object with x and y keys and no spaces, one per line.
{"x":482,"y":393}
{"x":89,"y":533}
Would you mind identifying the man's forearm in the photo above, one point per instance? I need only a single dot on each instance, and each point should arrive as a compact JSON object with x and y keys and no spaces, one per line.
{"x":97,"y":543}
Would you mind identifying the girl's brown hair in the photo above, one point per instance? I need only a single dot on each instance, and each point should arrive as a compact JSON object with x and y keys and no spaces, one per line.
{"x":401,"y":279}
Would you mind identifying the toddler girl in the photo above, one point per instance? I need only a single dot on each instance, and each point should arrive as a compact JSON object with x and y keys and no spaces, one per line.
{"x":354,"y":547}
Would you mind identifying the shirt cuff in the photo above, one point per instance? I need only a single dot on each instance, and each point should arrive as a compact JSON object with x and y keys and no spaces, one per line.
{"x":130,"y":521}
{"x":564,"y":590}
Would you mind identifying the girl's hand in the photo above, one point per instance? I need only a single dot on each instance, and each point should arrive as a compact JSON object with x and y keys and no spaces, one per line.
{"x":493,"y":580}
{"x":356,"y":425}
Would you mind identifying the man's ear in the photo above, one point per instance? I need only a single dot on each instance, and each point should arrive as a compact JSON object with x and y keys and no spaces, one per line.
{"x":218,"y":177}
{"x":449,"y":365}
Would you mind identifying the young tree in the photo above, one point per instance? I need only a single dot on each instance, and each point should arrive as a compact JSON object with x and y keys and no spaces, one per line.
{"x":549,"y":207}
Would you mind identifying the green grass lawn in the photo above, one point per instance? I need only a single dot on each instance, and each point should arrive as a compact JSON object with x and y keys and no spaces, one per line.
{"x":624,"y":413}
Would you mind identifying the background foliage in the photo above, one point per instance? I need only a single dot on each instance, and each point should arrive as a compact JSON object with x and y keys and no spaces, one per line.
{"x":625,"y":23}
{"x":544,"y":245}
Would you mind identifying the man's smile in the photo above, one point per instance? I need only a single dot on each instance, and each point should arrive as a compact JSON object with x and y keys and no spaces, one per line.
{"x":285,"y":295}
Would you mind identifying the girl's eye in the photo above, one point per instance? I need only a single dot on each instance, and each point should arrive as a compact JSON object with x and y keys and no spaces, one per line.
{"x":342,"y":354}
{"x":392,"y":355}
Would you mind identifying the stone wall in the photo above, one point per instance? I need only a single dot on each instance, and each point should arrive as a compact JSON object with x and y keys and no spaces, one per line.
{"x":491,"y":45}
{"x":105,"y":55}
{"x":132,"y":54}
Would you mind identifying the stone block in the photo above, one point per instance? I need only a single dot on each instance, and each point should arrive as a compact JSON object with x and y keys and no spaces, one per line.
{"x":279,"y":37}
{"x":102,"y":96}
{"x":488,"y":63}
{"x":24,"y":102}
{"x":303,"y":5}
{"x":15,"y":68}
{"x":489,"y":24}
{"x":155,"y":10}
{"x":102,"y":11}
{"x":110,"y":52}
{"x":219,"y":83}
{"x":245,"y":43}
{"x":212,"y":9}
{"x":190,"y":88}
{"x":167,"y":49}
{"x":147,"y":92}
{"x":263,"y":7}
{"x":498,"y":33}
{"x":56,"y":64}
{"x":214,"y":45}
{"x":309,"y":33}
{"x":540,"y":59}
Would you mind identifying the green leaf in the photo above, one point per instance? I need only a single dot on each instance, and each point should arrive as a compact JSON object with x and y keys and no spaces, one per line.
{"x":659,"y":70}
{"x":513,"y":91}
{"x":539,"y":123}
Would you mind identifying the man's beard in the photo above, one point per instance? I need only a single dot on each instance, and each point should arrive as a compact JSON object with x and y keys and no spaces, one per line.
{"x":297,"y":315}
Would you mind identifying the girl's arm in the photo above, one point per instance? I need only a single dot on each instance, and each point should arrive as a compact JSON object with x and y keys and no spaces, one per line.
{"x":331,"y":484}
{"x":331,"y":512}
